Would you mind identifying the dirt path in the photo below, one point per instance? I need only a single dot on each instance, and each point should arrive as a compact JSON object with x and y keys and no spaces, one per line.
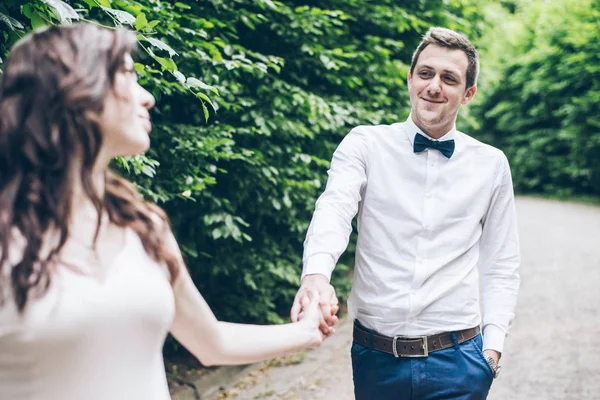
{"x":553,"y":352}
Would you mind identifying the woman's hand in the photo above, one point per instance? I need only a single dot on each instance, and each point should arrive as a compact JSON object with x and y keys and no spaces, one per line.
{"x":310,"y":317}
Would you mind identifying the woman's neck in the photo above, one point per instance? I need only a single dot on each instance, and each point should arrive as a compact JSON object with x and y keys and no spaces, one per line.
{"x":82,"y":205}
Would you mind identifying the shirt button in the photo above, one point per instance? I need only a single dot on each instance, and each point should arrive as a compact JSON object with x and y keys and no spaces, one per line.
{"x":428,"y":195}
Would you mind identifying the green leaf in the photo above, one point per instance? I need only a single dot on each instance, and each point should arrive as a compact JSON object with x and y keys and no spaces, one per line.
{"x":140,"y":22}
{"x":91,"y":3}
{"x":152,"y":24}
{"x":197,"y":83}
{"x":37,"y":20}
{"x":247,"y":22}
{"x":269,"y":4}
{"x":166,"y":63}
{"x":217,"y":233}
{"x":276,"y":204}
{"x":180,"y":77}
{"x":205,"y":98}
{"x":148,"y":171}
{"x":62,"y":11}
{"x":28,"y":10}
{"x":11,"y":22}
{"x":139,"y":68}
{"x":182,"y":6}
{"x":123,"y":17}
{"x":205,"y":112}
{"x":104,"y":3}
{"x":160,"y":44}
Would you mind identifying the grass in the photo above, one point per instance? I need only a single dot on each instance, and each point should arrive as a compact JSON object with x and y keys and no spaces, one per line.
{"x":266,"y":394}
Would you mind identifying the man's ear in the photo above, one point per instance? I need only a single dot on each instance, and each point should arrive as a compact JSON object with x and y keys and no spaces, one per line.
{"x":409,"y":79}
{"x":469,"y":94}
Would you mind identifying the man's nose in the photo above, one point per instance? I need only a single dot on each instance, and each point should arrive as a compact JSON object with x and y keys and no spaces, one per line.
{"x":434,"y":85}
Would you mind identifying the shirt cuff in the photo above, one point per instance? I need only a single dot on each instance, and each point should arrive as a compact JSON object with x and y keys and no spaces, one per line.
{"x":493,"y":338}
{"x":319,"y":264}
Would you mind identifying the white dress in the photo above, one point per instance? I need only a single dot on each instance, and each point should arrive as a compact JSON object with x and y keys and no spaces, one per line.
{"x":90,"y":338}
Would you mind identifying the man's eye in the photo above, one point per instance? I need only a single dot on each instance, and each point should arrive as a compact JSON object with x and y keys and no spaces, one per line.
{"x":425,"y":73}
{"x":449,"y":79}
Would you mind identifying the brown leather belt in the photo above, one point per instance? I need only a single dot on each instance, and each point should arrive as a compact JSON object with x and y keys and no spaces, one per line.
{"x":413,"y":346}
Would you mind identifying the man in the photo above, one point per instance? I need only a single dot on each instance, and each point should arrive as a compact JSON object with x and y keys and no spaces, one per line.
{"x":437,"y":240}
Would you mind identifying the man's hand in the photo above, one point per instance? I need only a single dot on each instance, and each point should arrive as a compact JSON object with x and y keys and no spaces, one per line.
{"x":492,"y":353}
{"x":328,"y":302}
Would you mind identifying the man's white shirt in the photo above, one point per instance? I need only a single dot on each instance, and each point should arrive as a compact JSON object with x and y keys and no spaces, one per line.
{"x":428,"y":228}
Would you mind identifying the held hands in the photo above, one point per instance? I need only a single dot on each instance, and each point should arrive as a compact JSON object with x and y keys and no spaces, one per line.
{"x":310,"y":317}
{"x":328,"y":302}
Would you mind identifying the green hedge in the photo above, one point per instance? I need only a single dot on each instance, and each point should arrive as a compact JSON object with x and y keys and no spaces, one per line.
{"x":544,"y":108}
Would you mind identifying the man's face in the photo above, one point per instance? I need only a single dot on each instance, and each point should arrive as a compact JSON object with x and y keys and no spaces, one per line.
{"x":437,"y":88}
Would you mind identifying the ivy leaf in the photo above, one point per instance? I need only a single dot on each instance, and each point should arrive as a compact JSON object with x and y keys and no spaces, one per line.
{"x":197,"y":83}
{"x":204,"y":97}
{"x":148,"y":171}
{"x":122,"y":16}
{"x":62,"y":11}
{"x":91,"y":3}
{"x":205,"y":112}
{"x":276,"y":204}
{"x":140,"y":22}
{"x":248,"y":23}
{"x":34,"y":16}
{"x":269,"y":4}
{"x":182,"y":6}
{"x":152,"y":24}
{"x":139,"y":68}
{"x":159,"y":44}
{"x":11,"y":22}
{"x":166,"y":63}
{"x":180,"y":77}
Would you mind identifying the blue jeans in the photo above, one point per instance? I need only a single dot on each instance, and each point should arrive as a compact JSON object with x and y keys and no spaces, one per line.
{"x":456,"y":373}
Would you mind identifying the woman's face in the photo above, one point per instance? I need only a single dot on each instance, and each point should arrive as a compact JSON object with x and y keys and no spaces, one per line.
{"x":125,"y":120}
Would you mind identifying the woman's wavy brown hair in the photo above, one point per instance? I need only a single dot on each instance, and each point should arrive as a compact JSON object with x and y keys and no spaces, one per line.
{"x":54,"y":85}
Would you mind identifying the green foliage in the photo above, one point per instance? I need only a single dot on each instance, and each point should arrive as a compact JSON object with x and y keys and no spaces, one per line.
{"x":253,"y":97}
{"x":543,"y":107}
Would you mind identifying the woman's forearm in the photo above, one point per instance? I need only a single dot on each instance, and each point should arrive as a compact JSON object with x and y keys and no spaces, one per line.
{"x":245,"y":344}
{"x":223,"y":343}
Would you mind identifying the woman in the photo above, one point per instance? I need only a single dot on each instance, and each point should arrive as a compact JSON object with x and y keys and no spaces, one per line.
{"x":91,"y":277}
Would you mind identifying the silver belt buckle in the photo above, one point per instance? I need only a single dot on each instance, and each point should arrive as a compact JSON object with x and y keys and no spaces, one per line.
{"x":425,"y":346}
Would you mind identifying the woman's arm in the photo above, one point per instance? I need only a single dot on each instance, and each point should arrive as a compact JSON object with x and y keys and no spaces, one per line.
{"x":219,"y":343}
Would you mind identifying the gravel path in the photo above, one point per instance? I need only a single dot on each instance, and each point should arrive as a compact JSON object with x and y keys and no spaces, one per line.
{"x":553,"y":351}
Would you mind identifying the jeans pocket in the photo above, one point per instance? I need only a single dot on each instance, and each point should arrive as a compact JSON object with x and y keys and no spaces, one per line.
{"x":358,"y":352}
{"x":478,"y":346}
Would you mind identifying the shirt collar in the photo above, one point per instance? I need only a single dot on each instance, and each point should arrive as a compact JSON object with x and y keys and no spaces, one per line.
{"x":411,"y":130}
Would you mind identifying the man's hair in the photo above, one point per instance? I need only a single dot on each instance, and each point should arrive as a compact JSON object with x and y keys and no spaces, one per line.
{"x":451,"y":40}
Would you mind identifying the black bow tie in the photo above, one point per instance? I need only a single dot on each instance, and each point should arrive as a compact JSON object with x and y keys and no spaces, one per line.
{"x":445,"y":147}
